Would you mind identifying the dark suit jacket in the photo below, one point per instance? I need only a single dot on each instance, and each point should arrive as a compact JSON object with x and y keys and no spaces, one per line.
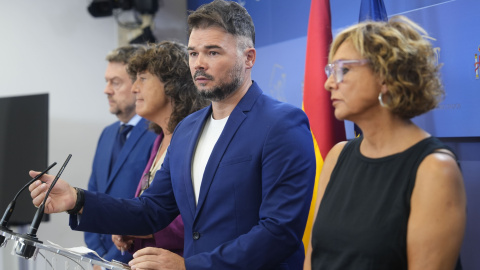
{"x":254,"y":197}
{"x":123,"y":181}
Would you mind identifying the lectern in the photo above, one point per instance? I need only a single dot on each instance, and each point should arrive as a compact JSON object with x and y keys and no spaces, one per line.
{"x":49,"y":256}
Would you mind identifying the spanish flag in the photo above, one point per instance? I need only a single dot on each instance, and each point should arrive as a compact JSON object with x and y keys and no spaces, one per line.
{"x":326,"y":130}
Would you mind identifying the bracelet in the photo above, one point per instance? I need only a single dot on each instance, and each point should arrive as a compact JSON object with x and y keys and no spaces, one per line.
{"x":79,"y":203}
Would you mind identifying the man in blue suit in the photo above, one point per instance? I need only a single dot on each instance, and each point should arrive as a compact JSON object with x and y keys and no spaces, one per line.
{"x":240,"y":172}
{"x":119,"y":178}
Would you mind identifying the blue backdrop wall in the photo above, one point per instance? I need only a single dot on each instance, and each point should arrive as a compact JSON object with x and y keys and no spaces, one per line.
{"x":281,"y":33}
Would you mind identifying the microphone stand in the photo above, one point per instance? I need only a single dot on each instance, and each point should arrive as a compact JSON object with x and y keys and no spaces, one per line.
{"x":11,"y":206}
{"x":25,"y":244}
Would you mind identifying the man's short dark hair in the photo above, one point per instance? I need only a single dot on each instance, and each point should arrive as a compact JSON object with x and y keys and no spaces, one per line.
{"x":228,"y":15}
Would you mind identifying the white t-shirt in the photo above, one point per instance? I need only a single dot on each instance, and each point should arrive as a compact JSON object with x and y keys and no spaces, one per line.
{"x":209,"y":137}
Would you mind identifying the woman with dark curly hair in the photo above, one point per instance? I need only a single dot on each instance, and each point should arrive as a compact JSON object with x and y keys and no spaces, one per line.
{"x":394,"y":197}
{"x":165,"y":94}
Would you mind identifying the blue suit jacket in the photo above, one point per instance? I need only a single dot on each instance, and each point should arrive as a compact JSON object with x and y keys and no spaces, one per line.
{"x":254,"y":197}
{"x":123,"y":181}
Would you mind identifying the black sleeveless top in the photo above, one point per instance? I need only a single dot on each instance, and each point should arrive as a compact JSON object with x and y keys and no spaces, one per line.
{"x":362,"y":219}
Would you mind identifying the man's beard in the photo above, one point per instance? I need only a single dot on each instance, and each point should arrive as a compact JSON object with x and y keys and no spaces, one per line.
{"x":223,"y":90}
{"x":125,"y":111}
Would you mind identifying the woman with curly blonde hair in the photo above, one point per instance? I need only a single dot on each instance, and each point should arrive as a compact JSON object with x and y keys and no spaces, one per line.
{"x":394,"y":197}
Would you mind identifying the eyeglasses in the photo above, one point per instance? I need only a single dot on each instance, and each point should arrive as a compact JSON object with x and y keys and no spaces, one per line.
{"x":337,"y":68}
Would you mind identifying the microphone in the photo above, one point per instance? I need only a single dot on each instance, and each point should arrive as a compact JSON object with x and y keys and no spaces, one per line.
{"x":25,"y":244}
{"x":11,"y":206}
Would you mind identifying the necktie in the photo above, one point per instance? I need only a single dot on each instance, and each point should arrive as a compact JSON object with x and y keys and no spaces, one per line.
{"x":119,"y":142}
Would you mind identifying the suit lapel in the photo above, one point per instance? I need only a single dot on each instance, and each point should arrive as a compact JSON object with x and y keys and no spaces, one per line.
{"x":234,"y":122}
{"x":106,"y":156}
{"x":197,"y":130}
{"x":132,"y":140}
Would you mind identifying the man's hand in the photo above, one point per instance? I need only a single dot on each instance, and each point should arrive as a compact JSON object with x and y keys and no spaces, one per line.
{"x":156,"y":259}
{"x":61,"y":198}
